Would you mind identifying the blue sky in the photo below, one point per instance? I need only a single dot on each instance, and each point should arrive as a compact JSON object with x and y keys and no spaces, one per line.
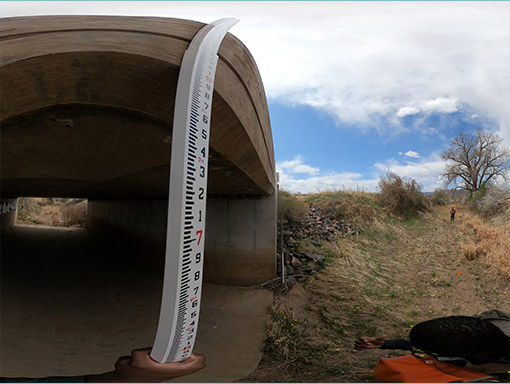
{"x":310,"y":144}
{"x":358,"y":88}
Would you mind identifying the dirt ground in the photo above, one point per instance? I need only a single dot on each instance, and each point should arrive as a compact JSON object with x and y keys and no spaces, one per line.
{"x":381,"y":283}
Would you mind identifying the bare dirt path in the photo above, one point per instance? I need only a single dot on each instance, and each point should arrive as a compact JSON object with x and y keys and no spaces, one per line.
{"x":452,"y":284}
{"x":381,"y":283}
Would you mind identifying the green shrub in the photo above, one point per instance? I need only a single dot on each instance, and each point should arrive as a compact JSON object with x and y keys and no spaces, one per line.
{"x":401,"y":196}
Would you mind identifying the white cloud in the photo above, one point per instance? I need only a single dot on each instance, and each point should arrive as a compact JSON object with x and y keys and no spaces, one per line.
{"x":382,"y":56}
{"x":437,"y":105}
{"x":412,"y":154}
{"x":358,"y":61}
{"x":441,"y":105}
{"x":427,"y":172}
{"x":474,"y":116}
{"x":329,"y":182}
{"x":294,"y":180}
{"x":297,"y":166}
{"x":407,"y":111}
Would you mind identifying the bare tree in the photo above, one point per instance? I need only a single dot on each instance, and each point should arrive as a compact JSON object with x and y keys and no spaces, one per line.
{"x":473,"y":160}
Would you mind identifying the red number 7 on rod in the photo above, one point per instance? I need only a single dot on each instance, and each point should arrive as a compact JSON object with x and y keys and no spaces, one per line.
{"x":199,"y":233}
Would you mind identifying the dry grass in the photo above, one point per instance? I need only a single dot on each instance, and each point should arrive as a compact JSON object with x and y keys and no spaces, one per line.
{"x":52,"y":212}
{"x":312,"y":340}
{"x":74,"y":214}
{"x":395,"y":274}
{"x":291,"y":207}
{"x":489,"y":244}
{"x":288,"y":337}
{"x":502,"y":219}
{"x":359,"y":208}
{"x":439,"y":197}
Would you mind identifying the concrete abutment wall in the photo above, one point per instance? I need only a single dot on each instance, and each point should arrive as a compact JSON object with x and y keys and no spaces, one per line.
{"x":240,"y":243}
{"x":8,"y":213}
{"x":240,"y":240}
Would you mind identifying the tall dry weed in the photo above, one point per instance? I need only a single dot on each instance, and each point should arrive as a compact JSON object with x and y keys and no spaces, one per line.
{"x":52,"y":211}
{"x":74,"y":214}
{"x":401,"y":196}
{"x":489,"y":244}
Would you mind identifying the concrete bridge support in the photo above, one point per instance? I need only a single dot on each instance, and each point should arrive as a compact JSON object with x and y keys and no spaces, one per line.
{"x":8,"y":213}
{"x":239,"y":243}
{"x":87,"y":111}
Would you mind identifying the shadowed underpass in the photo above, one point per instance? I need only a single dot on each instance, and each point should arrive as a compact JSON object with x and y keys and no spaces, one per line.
{"x":71,"y":304}
{"x":68,"y":297}
{"x":87,"y":111}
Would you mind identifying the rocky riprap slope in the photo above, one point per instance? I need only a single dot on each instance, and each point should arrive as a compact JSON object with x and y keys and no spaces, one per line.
{"x":316,"y":228}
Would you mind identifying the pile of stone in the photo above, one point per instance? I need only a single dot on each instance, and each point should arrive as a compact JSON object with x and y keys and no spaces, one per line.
{"x":317,"y":227}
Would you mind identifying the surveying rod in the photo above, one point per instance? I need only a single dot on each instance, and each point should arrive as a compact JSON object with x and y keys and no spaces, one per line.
{"x":184,"y":256}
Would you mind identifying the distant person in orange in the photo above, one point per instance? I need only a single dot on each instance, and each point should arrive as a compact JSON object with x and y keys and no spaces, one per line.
{"x":452,"y":214}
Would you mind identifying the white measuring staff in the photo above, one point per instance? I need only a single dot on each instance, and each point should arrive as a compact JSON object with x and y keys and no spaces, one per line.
{"x":182,"y":285}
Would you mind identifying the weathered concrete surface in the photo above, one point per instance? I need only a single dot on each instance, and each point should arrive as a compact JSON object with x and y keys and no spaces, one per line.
{"x":240,"y":247}
{"x":86,"y":109}
{"x":8,"y":213}
{"x":109,"y":306}
{"x":239,"y":244}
